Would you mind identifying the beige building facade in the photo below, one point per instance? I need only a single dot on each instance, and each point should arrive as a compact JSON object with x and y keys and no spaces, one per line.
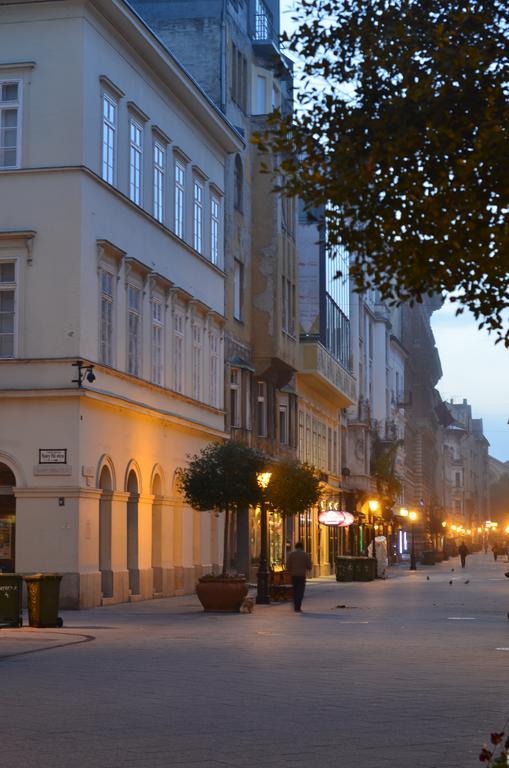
{"x":112,"y":177}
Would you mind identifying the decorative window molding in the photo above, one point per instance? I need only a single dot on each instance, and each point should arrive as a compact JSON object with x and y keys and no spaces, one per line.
{"x":8,"y":66}
{"x":16,"y":239}
{"x":109,"y":85}
{"x":137,"y":112}
{"x":160,"y":135}
{"x":108,"y":251}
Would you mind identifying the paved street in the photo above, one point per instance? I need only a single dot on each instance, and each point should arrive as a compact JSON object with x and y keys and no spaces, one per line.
{"x":404,"y":672}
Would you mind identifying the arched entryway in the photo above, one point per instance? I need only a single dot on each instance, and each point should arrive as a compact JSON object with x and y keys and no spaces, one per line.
{"x":105,"y":527}
{"x":7,"y":520}
{"x":132,"y":533}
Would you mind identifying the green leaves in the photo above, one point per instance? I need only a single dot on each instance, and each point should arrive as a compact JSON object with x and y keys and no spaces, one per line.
{"x":222,"y":477}
{"x":404,"y":128}
{"x":293,"y":488}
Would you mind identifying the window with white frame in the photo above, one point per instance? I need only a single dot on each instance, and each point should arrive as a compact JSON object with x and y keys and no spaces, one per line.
{"x":197,"y":361}
{"x":10,"y":124}
{"x":159,"y":181}
{"x":109,"y":138}
{"x":135,"y":160}
{"x":180,"y":175}
{"x":178,"y":351}
{"x":235,"y":397}
{"x":261,"y":408}
{"x":215,"y":212}
{"x":107,"y":317}
{"x":7,"y":309}
{"x":157,"y":340}
{"x":214,"y":368}
{"x":133,"y":329}
{"x":238,"y":289}
{"x":197,"y":215}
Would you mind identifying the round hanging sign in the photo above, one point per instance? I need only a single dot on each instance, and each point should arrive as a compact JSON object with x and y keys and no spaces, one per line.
{"x":335,"y":517}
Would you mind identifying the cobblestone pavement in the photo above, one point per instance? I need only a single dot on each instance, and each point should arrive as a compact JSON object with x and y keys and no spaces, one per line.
{"x":409,"y":672}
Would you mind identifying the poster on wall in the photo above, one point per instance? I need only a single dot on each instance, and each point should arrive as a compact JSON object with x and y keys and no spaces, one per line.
{"x":5,"y":540}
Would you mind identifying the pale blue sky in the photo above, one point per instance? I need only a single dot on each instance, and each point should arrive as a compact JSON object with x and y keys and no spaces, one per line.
{"x":476,"y":369}
{"x":473,"y":367}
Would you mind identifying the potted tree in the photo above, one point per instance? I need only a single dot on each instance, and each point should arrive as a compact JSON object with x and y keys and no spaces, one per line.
{"x":293,"y":488}
{"x":222,"y":477}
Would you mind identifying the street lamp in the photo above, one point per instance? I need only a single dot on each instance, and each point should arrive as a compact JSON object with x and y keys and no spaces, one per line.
{"x":374,"y":506}
{"x":262,"y":592}
{"x":412,"y":516}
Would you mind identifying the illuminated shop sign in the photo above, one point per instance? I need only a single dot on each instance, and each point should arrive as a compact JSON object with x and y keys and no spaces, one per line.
{"x":335,"y":517}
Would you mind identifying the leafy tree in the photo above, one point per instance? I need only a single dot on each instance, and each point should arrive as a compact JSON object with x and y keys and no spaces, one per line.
{"x":293,"y":488}
{"x":403,"y":132}
{"x":222,"y":477}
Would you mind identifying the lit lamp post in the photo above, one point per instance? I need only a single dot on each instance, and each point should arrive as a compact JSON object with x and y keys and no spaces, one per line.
{"x":412,"y":516}
{"x":262,"y":593}
{"x":373,"y":506}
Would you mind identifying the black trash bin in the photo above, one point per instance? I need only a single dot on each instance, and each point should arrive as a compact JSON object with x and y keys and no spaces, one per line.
{"x":43,"y":590}
{"x":11,"y":590}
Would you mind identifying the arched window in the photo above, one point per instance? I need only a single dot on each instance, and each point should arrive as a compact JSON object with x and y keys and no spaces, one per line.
{"x":238,"y":181}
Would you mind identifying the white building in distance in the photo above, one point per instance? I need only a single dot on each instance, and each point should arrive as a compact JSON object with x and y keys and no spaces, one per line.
{"x":112,"y":168}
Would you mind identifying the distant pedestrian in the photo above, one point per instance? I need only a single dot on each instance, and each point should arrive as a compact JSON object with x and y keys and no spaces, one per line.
{"x":463,"y":551}
{"x":494,"y":549}
{"x":298,"y":563}
{"x":486,"y":548}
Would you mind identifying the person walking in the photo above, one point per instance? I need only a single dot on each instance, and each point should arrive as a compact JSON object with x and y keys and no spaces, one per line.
{"x":463,"y":551}
{"x":298,"y":563}
{"x":494,"y":549}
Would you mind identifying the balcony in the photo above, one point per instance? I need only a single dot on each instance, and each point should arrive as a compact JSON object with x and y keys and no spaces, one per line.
{"x":322,"y":372}
{"x":264,"y":37}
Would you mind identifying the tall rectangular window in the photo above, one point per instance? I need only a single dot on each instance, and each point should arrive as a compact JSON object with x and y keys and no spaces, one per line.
{"x":179,"y":198}
{"x":283,"y":424}
{"x":214,"y":369}
{"x":7,"y":309}
{"x":214,"y":229}
{"x":133,"y":330}
{"x":157,"y":341}
{"x":197,"y":215}
{"x":238,"y":289}
{"x":135,"y":161}
{"x":10,"y":124}
{"x":284,"y":305}
{"x":178,"y":352}
{"x":109,"y":138}
{"x":261,"y":408}
{"x":197,"y":361}
{"x":302,"y":445}
{"x":235,"y":397}
{"x":106,"y":317}
{"x":159,"y":181}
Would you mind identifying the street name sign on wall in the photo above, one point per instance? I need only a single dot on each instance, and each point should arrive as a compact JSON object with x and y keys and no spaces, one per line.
{"x":52,"y":455}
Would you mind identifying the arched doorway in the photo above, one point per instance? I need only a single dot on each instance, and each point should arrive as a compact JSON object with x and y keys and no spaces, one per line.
{"x":106,"y":485}
{"x":7,"y":520}
{"x":132,"y":533}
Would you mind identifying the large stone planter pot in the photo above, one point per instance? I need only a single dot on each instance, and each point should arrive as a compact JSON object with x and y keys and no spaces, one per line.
{"x":221,"y":594}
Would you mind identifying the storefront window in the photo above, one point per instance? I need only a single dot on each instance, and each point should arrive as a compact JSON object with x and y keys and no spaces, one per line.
{"x":305,"y":529}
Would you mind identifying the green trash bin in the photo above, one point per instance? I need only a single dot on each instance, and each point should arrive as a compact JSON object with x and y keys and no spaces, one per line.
{"x":344,"y":568}
{"x":364,"y":569}
{"x":43,"y":591}
{"x":11,"y":590}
